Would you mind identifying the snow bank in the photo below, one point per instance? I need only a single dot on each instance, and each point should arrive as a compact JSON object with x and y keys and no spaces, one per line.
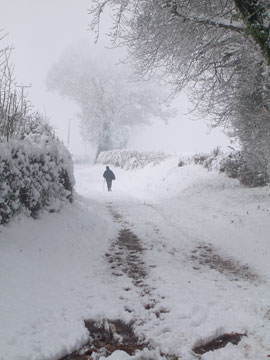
{"x":51,"y":271}
{"x":34,"y":175}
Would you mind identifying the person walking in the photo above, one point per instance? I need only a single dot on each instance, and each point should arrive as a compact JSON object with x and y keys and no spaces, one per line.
{"x":109,"y":177}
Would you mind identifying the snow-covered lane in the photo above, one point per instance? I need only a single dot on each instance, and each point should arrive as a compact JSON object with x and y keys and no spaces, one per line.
{"x":55,"y":273}
{"x":206,"y":214}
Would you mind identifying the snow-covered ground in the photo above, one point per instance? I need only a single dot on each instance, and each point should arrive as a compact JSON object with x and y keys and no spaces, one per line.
{"x":206,"y":255}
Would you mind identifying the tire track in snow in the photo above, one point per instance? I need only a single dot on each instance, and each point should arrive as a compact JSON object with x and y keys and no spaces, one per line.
{"x":126,"y":257}
{"x":201,"y":256}
{"x":208,"y":256}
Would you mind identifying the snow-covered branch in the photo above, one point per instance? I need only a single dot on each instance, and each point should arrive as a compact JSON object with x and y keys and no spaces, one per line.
{"x":225,"y":24}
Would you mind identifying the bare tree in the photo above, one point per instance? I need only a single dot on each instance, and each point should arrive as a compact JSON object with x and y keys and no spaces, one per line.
{"x":13,"y":107}
{"x":110,"y":102}
{"x":249,"y":18}
{"x":198,"y":46}
{"x":218,"y":48}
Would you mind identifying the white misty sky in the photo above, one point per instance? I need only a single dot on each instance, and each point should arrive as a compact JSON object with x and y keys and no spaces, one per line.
{"x":40,"y":30}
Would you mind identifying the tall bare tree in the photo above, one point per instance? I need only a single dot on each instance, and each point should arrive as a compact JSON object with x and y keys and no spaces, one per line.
{"x":13,"y":107}
{"x":110,"y":102}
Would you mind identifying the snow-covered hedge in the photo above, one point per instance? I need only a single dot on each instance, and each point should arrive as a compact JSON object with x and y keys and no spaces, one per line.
{"x":131,"y":159}
{"x":33,"y":176}
{"x":211,"y":161}
{"x":234,"y":165}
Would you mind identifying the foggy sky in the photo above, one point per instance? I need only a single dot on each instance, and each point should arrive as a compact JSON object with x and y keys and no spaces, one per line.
{"x":40,"y":30}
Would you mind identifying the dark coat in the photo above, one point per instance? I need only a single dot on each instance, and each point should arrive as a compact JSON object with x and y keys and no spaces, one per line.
{"x":109,"y":175}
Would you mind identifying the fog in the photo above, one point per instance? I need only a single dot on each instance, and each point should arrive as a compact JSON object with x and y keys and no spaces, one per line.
{"x":40,"y":31}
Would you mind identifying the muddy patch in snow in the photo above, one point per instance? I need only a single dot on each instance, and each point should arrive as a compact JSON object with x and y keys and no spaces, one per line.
{"x":117,"y":217}
{"x":217,"y":343}
{"x":105,"y":338}
{"x":125,"y":257}
{"x":207,"y":255}
{"x":109,"y":336}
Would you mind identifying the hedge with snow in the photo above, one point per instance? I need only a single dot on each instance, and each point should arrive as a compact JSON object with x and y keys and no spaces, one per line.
{"x":234,"y":164}
{"x":131,"y":159}
{"x":34,"y":175}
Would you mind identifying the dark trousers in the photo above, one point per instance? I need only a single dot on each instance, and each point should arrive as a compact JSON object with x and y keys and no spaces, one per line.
{"x":109,"y":184}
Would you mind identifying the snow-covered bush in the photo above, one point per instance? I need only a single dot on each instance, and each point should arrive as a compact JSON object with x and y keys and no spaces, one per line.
{"x":210,"y":161}
{"x":34,"y":175}
{"x":235,"y":165}
{"x":131,"y":159}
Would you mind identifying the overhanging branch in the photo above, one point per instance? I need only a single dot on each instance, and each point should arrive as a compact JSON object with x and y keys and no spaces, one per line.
{"x":208,"y":22}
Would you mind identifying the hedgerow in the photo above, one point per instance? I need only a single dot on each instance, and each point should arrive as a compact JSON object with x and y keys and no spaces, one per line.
{"x":34,"y":176}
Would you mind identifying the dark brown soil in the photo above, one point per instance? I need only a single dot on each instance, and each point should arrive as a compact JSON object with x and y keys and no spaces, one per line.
{"x":207,"y":255}
{"x":107,"y":337}
{"x":218,"y":343}
{"x":125,"y":257}
{"x":100,"y":334}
